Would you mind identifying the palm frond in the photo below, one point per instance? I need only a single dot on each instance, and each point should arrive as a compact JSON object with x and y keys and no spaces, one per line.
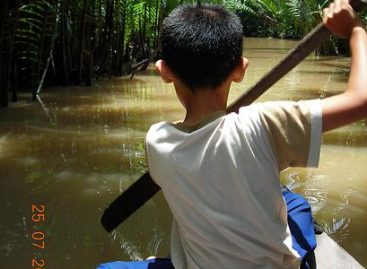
{"x":35,"y":33}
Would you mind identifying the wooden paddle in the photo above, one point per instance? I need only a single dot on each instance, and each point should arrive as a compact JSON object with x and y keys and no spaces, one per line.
{"x":144,"y":188}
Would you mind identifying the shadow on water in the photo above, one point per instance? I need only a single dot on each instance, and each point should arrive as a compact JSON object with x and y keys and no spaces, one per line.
{"x":90,"y":147}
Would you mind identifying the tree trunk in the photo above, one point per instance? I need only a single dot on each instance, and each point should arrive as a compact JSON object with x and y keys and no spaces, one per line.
{"x":3,"y":64}
{"x":121,"y":41}
{"x":90,"y":46}
{"x":7,"y":39}
{"x":65,"y":45}
{"x":82,"y":42}
{"x":144,"y":35}
{"x":109,"y":26}
{"x":14,"y":97}
{"x":156,"y":30}
{"x":12,"y":57}
{"x":38,"y":73}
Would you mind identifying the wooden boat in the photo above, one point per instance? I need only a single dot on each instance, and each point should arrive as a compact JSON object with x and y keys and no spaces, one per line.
{"x":329,"y":255}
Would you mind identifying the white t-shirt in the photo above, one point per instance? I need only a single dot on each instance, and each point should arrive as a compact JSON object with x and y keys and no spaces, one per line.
{"x":221,"y":182}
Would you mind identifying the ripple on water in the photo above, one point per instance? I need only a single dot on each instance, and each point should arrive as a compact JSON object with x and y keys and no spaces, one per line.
{"x":331,"y":212}
{"x":128,"y":247}
{"x":338,"y":228}
{"x":308,"y":184}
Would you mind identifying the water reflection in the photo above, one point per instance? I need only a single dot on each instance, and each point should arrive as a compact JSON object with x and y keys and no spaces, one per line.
{"x":90,"y":147}
{"x":337,"y":192}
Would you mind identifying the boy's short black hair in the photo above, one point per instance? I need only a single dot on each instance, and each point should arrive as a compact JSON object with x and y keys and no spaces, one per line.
{"x":202,"y":44}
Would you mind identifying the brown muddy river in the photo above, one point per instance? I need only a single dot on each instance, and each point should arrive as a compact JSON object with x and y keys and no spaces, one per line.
{"x":73,"y":156}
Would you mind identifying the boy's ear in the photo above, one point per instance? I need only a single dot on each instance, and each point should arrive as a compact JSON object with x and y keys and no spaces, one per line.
{"x":239,"y":71}
{"x":164,"y":71}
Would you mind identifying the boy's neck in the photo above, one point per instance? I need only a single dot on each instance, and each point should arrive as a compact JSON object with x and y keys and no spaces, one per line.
{"x":204,"y":102}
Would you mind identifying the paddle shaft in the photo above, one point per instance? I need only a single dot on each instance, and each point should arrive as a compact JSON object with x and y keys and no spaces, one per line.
{"x":144,"y":188}
{"x":310,"y":42}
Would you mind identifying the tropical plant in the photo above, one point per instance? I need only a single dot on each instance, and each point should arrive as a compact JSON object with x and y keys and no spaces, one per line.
{"x":8,"y":24}
{"x":283,"y":19}
{"x":35,"y":35}
{"x":86,"y":39}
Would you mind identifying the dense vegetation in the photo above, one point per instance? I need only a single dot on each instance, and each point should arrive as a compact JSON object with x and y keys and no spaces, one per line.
{"x":291,"y":19}
{"x":75,"y":41}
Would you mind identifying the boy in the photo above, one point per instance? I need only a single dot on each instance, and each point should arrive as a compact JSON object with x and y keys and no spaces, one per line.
{"x":211,"y":157}
{"x":220,"y":172}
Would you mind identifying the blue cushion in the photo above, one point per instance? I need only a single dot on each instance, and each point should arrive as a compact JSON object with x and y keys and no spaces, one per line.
{"x":300,"y":223}
{"x":157,"y":263}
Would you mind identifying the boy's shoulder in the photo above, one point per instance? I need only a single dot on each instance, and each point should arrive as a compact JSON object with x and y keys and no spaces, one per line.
{"x":294,"y":131}
{"x":156,"y":127}
{"x":278,"y":112}
{"x":283,"y":111}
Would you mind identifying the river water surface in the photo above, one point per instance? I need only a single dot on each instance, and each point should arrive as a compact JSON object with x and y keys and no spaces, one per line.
{"x":74,"y":155}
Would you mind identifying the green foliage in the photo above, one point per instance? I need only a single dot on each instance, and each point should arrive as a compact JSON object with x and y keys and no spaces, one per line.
{"x":283,"y":19}
{"x":93,"y":38}
{"x":36,"y":29}
{"x":141,"y":21}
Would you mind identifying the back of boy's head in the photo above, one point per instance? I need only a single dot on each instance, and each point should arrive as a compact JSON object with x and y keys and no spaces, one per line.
{"x":202,"y":44}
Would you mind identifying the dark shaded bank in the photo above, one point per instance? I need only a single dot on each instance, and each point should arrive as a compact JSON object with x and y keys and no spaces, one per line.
{"x":69,"y":42}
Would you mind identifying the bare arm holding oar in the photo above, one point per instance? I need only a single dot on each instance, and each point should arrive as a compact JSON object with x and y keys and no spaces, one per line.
{"x":351,"y":105}
{"x":310,"y":42}
{"x":144,"y":188}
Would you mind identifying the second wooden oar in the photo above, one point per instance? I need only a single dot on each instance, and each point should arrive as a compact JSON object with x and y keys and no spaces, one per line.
{"x":144,"y":188}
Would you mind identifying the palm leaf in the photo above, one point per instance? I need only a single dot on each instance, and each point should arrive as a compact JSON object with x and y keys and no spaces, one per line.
{"x":36,"y":29}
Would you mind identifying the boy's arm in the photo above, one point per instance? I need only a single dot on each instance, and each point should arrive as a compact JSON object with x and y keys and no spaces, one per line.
{"x":351,"y":105}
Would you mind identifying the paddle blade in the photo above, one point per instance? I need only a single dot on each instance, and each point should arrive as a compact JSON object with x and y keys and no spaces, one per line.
{"x":130,"y":200}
